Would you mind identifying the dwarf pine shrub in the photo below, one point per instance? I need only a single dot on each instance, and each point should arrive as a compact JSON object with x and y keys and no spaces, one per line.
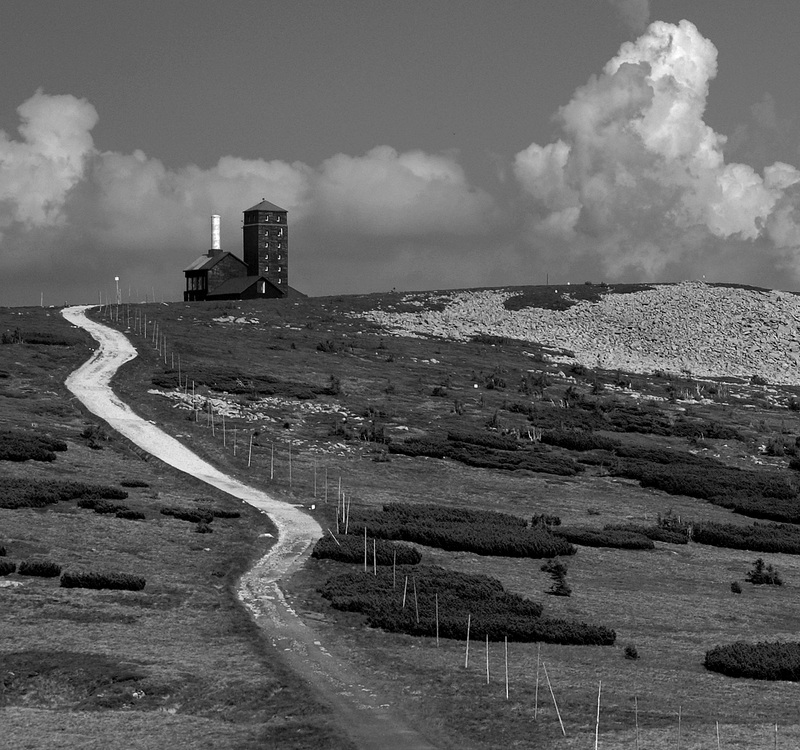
{"x":194,"y":515}
{"x":40,"y":568}
{"x":7,"y":567}
{"x":130,"y":515}
{"x":101,"y":580}
{"x":763,"y":574}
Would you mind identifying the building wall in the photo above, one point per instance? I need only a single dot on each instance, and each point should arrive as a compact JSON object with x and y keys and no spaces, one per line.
{"x":227,"y":268}
{"x":265,"y":245}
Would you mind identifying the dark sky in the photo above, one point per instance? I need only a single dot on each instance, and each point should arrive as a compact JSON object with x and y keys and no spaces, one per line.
{"x":417,"y":144}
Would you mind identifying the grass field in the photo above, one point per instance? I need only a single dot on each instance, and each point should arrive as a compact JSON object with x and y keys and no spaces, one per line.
{"x":672,"y":603}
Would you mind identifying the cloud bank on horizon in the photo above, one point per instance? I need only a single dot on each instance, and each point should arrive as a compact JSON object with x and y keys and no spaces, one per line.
{"x":636,"y":186}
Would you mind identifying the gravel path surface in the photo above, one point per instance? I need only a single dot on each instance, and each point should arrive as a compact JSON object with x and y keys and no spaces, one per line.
{"x":365,"y":717}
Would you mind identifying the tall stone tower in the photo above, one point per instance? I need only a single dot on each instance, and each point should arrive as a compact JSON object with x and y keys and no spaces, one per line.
{"x":265,"y":243}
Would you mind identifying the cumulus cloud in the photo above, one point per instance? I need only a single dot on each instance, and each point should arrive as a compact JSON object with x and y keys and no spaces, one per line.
{"x":638,"y":182}
{"x":633,"y":13}
{"x":128,"y":214}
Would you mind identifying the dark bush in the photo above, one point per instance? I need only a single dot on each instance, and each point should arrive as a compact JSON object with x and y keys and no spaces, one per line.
{"x":2,"y":551}
{"x":18,"y":445}
{"x":130,"y":515}
{"x":736,"y":587}
{"x":134,"y":483}
{"x":593,"y":537}
{"x":760,"y":537}
{"x":41,"y":568}
{"x":631,"y":652}
{"x":194,"y":515}
{"x":756,"y":661}
{"x":85,"y":579}
{"x":557,"y":570}
{"x":762,"y":574}
{"x":103,"y":507}
{"x":223,"y":513}
{"x":7,"y":567}
{"x":656,"y":533}
{"x":486,"y":439}
{"x":350,"y":548}
{"x":203,"y":528}
{"x":493,"y":611}
{"x":579,"y":440}
{"x":460,"y":529}
{"x":543,"y":520}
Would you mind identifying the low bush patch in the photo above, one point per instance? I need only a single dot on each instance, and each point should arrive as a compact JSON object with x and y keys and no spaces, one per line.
{"x":7,"y":567}
{"x":40,"y":568}
{"x":492,"y":610}
{"x":350,"y":548}
{"x":460,"y":529}
{"x":130,"y":515}
{"x":27,"y":493}
{"x":593,"y":537}
{"x":756,"y":661}
{"x":134,"y":483}
{"x":656,"y":533}
{"x":222,"y":513}
{"x":18,"y":445}
{"x":760,"y":537}
{"x":94,"y":580}
{"x":103,"y":507}
{"x":194,"y":515}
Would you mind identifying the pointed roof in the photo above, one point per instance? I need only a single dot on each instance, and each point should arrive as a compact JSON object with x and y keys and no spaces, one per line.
{"x":240,"y":284}
{"x":266,"y":206}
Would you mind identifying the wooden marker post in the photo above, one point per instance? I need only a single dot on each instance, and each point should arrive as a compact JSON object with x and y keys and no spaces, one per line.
{"x":365,"y":548}
{"x":636,"y":720}
{"x":326,"y":485}
{"x":290,"y":464}
{"x":597,"y":719}
{"x":315,"y":477}
{"x":224,"y":437}
{"x":405,"y":589}
{"x":505,"y":648}
{"x":272,"y":461}
{"x":679,"y":727}
{"x":717,"y":723}
{"x":466,"y":653}
{"x":436,"y":600}
{"x":394,"y":567}
{"x":553,"y":696}
{"x":487,"y":658}
{"x":374,"y":557}
{"x":250,"y":450}
{"x":234,"y":441}
{"x":536,"y":690}
{"x":416,"y":603}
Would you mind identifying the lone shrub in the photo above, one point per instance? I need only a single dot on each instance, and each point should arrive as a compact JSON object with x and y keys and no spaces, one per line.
{"x":736,"y":587}
{"x":130,"y":515}
{"x":6,"y":567}
{"x":631,"y":652}
{"x":203,"y":528}
{"x":2,"y":551}
{"x":558,"y":573}
{"x":103,"y":507}
{"x":134,"y":483}
{"x":222,"y":513}
{"x":194,"y":515}
{"x":763,"y":574}
{"x":94,"y":580}
{"x":40,"y":568}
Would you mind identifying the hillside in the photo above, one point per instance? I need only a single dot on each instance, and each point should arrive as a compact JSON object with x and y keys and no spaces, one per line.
{"x":470,"y":413}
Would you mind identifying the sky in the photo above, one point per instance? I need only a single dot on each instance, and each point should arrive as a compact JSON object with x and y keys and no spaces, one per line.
{"x":416,"y":144}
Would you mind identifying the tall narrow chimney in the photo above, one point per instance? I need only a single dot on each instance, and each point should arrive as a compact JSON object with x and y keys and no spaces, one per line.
{"x":215,"y":247}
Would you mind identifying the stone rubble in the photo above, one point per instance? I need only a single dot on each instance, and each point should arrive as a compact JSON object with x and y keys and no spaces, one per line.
{"x":689,"y":328}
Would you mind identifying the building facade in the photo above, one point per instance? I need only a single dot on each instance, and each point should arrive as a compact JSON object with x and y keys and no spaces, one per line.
{"x":265,"y":243}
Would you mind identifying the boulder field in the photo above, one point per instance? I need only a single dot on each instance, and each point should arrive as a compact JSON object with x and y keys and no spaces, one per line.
{"x":690,"y":328}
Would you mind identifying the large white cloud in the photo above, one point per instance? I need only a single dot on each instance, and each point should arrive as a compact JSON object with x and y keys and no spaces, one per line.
{"x":638,"y":181}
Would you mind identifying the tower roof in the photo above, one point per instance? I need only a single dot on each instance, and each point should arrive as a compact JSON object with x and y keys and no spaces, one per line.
{"x":266,"y":206}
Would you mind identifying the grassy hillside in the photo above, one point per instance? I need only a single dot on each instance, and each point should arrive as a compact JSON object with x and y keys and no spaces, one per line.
{"x":349,"y":400}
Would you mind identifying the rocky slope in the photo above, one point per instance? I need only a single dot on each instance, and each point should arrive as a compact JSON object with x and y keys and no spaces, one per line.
{"x":689,"y":327}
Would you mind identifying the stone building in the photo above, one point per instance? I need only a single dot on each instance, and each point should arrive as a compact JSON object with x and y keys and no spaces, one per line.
{"x":264,"y":272}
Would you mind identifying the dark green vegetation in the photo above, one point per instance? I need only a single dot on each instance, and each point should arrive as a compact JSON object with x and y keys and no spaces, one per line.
{"x":19,"y":445}
{"x":756,"y":661}
{"x":458,"y":529}
{"x":408,"y":604}
{"x":87,"y":579}
{"x":673,"y":602}
{"x":22,"y":492}
{"x":350,"y":548}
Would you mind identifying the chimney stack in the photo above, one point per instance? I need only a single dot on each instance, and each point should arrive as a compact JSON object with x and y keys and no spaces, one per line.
{"x":215,"y":247}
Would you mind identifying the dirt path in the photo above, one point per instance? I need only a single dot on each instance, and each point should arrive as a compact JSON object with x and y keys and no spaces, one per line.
{"x":369,"y":721}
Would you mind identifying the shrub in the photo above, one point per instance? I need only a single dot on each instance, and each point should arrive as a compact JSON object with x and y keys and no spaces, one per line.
{"x":130,"y":515}
{"x":223,"y":513}
{"x":350,"y":548}
{"x":593,"y":537}
{"x":656,"y":533}
{"x":203,"y":528}
{"x":756,"y":661}
{"x":631,"y":652}
{"x":7,"y":567}
{"x":194,"y":515}
{"x":85,"y":579}
{"x":579,"y":440}
{"x":2,"y":551}
{"x":736,"y":587}
{"x":543,"y":520}
{"x":18,"y":445}
{"x":494,"y":612}
{"x":760,"y":537}
{"x":40,"y":568}
{"x":104,"y":507}
{"x":486,"y":439}
{"x":460,"y":529}
{"x":763,"y":574}
{"x":134,"y":483}
{"x":558,"y":573}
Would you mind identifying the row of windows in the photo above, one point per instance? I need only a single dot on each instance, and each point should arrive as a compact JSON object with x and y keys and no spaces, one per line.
{"x":254,"y":218}
{"x":195,"y":283}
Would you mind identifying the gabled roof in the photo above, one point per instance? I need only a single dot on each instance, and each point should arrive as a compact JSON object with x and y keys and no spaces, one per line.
{"x":204,"y":262}
{"x":266,"y":206}
{"x":239,"y":285}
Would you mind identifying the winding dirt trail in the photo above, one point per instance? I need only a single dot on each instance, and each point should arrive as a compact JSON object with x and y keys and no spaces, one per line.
{"x":370,"y":722}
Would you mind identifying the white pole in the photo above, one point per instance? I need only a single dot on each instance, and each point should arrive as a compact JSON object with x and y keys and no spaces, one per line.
{"x":272,"y":461}
{"x":315,"y":477}
{"x":717,"y":723}
{"x":436,"y":599}
{"x":250,"y":450}
{"x":374,"y":557}
{"x":536,"y":691}
{"x":553,"y":696}
{"x":487,"y":658}
{"x":505,"y":644}
{"x":405,"y":589}
{"x":234,"y":441}
{"x":365,"y":548}
{"x":466,"y":653}
{"x":597,"y":720}
{"x":636,"y":719}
